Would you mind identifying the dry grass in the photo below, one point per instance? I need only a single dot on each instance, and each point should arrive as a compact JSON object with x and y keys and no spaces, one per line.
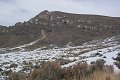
{"x":82,"y":71}
{"x":101,"y":75}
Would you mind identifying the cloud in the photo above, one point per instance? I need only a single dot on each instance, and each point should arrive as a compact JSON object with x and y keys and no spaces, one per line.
{"x":13,"y":11}
{"x":8,"y":1}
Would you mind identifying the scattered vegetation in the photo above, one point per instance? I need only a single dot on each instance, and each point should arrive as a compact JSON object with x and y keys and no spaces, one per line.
{"x":81,"y":71}
{"x":13,"y":65}
{"x":117,"y":63}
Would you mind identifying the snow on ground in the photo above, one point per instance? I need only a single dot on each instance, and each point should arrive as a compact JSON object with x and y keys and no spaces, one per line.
{"x":107,"y":49}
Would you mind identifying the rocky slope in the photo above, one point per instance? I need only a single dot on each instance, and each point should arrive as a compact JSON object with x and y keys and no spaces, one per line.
{"x":59,"y":28}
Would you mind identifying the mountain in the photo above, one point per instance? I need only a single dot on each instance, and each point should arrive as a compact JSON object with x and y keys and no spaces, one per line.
{"x":59,"y":28}
{"x":58,"y":36}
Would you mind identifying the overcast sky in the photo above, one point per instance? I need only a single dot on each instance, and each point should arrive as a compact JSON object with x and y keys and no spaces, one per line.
{"x":12,"y":11}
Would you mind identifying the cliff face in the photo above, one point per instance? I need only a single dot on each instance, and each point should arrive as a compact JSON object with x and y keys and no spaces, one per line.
{"x":59,"y":28}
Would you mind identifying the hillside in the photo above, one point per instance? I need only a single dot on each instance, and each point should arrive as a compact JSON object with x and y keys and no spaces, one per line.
{"x":60,"y":28}
{"x":105,"y":49}
{"x":66,"y":46}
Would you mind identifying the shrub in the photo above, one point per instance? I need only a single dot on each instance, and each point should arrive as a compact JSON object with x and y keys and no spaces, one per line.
{"x":99,"y":64}
{"x":13,"y":65}
{"x":1,"y":69}
{"x":50,"y":71}
{"x":117,"y":63}
{"x":17,"y":76}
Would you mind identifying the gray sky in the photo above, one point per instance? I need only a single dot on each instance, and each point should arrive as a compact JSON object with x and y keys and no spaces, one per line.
{"x":12,"y":11}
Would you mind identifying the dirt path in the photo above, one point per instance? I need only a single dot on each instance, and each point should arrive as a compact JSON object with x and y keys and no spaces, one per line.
{"x":31,"y":43}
